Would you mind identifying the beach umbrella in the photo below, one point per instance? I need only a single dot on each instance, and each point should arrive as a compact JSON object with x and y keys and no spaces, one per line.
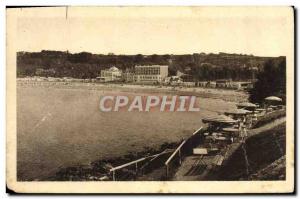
{"x":272,"y":106}
{"x":219,"y":119}
{"x":230,"y":129}
{"x":246,"y":105}
{"x":237,"y":112}
{"x":273,"y":98}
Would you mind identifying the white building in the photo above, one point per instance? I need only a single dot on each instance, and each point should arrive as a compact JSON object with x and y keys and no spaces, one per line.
{"x":111,"y":74}
{"x":173,"y":80}
{"x":128,"y":75}
{"x":151,"y":74}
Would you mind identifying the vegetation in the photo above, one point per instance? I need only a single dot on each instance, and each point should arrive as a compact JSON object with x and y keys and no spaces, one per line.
{"x":270,"y":118}
{"x":262,"y":150}
{"x":86,"y":65}
{"x":270,"y":81}
{"x":274,"y":171}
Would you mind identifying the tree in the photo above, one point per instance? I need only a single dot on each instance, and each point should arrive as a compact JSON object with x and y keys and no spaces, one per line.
{"x":138,"y":58}
{"x":270,"y":81}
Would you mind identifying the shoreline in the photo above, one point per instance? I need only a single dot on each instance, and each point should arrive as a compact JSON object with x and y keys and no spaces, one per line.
{"x":214,"y":93}
{"x":93,"y":167}
{"x":97,"y":169}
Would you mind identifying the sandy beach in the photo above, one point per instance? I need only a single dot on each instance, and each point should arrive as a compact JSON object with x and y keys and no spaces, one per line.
{"x":53,"y":117}
{"x":216,"y":93}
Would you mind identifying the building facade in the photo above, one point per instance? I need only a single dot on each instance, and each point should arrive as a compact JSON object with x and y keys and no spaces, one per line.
{"x":128,"y":75}
{"x":111,"y":74}
{"x":151,"y":73}
{"x":45,"y":72}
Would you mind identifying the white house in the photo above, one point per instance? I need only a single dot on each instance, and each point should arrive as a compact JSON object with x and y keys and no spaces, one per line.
{"x":111,"y":74}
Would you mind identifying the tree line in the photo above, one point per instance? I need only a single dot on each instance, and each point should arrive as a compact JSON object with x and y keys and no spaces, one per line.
{"x":271,"y":81}
{"x":201,"y":66}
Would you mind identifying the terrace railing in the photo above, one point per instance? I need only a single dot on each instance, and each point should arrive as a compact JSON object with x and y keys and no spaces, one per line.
{"x":177,"y":151}
{"x":184,"y":149}
{"x":134,"y":167}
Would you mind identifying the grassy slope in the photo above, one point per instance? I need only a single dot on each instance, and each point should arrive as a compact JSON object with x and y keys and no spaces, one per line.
{"x":262,"y":150}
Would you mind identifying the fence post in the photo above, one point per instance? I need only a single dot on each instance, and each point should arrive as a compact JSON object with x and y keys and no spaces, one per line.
{"x":167,"y":171}
{"x":114,"y":176}
{"x":179,"y":153}
{"x":136,"y":168}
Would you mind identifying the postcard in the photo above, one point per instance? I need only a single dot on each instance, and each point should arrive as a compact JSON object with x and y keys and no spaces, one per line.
{"x":157,"y":100}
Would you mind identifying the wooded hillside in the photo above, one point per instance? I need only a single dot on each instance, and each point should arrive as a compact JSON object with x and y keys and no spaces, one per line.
{"x":87,"y":65}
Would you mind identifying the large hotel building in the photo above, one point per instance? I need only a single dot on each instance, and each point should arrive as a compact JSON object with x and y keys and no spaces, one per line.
{"x":152,"y":73}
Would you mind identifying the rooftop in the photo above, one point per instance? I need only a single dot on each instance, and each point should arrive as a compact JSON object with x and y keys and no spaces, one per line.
{"x":144,"y":66}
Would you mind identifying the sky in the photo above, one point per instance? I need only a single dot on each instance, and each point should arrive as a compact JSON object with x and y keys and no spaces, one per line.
{"x":261,"y":31}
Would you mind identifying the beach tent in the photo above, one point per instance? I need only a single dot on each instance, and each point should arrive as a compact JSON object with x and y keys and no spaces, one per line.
{"x":219,"y":119}
{"x":246,"y":105}
{"x":230,"y":130}
{"x":237,"y":112}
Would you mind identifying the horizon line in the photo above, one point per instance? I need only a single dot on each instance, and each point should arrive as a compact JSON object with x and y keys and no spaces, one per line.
{"x":116,"y":54}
